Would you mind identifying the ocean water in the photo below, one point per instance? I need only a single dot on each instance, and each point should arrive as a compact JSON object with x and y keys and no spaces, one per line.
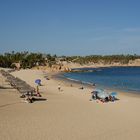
{"x":121,"y":78}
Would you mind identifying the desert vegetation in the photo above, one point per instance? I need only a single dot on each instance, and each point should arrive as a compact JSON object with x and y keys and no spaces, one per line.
{"x":30,"y":59}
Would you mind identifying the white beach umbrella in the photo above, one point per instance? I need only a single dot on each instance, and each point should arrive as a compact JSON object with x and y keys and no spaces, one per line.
{"x":102,"y":95}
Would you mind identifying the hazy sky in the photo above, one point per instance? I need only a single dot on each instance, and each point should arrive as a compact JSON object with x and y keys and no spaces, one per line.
{"x":70,"y":27}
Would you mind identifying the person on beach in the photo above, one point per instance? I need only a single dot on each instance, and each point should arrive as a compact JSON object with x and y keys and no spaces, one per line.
{"x":93,"y":84}
{"x":59,"y":87}
{"x":93,"y":95}
{"x":37,"y":91}
{"x":47,"y":78}
{"x":28,"y":98}
{"x":81,"y":87}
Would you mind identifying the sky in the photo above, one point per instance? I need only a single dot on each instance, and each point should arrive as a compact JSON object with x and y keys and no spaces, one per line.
{"x":70,"y":27}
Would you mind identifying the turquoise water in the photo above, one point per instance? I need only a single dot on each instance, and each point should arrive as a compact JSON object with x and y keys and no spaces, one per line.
{"x":122,"y":78}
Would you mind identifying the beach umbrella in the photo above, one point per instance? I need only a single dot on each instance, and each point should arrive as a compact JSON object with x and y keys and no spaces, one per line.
{"x":113,"y":94}
{"x":102,"y":95}
{"x":98,"y":90}
{"x":37,"y":81}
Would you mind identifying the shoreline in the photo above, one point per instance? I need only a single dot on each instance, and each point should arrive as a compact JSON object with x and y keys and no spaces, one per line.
{"x":61,"y":78}
{"x":98,"y":67}
{"x":58,"y":76}
{"x":103,"y":66}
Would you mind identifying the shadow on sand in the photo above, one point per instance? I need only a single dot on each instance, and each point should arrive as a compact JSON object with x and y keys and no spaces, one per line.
{"x":1,"y":87}
{"x":39,"y":99}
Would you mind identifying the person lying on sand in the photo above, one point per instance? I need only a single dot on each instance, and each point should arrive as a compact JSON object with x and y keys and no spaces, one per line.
{"x":27,"y":98}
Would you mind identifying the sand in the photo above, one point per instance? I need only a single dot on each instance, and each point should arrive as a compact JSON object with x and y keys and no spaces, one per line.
{"x":65,"y":115}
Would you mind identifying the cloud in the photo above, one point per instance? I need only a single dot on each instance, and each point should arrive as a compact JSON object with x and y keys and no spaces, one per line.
{"x":131,"y":30}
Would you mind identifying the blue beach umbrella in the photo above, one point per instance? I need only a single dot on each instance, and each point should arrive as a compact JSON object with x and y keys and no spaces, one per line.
{"x":37,"y":81}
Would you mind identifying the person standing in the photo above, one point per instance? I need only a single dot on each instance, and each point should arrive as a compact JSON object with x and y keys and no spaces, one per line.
{"x":37,"y":91}
{"x":59,"y":87}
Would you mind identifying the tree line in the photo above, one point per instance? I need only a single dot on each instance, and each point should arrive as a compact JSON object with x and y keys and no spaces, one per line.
{"x":107,"y":59}
{"x":29,"y":60}
{"x":26,"y":59}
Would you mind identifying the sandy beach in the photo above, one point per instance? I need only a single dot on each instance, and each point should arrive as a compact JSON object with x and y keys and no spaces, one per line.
{"x":66,"y":114}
